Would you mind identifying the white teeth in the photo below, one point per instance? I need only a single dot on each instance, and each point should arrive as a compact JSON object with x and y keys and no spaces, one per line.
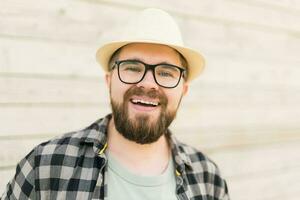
{"x":144,"y":102}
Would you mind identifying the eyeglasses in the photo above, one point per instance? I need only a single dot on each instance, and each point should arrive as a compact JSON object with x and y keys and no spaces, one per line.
{"x":133,"y":71}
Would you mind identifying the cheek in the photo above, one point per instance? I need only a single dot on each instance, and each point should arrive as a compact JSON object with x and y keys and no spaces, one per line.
{"x":117,"y":89}
{"x":116,"y":92}
{"x":173,"y":99}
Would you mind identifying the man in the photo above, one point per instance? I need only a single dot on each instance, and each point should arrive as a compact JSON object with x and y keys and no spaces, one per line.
{"x":129,"y":154}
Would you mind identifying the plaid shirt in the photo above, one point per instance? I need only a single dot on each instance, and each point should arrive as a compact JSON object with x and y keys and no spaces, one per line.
{"x":73,"y":166}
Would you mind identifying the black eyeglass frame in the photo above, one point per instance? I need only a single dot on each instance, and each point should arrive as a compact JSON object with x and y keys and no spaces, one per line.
{"x":148,"y":67}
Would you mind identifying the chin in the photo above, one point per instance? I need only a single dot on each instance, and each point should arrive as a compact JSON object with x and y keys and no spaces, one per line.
{"x":150,"y":116}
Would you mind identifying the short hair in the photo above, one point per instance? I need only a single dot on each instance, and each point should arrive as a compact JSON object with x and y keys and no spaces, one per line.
{"x":184,"y":64}
{"x":115,"y":57}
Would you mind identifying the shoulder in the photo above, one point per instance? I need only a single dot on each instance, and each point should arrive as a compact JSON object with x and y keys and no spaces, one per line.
{"x":60,"y":144}
{"x":197,"y":159}
{"x":67,"y":153}
{"x":70,"y":143}
{"x":202,"y":171}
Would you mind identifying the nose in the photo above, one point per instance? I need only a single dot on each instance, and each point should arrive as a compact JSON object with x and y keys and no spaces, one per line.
{"x":148,"y":81}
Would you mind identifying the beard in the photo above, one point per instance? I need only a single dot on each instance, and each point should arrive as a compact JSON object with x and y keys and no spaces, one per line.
{"x":140,"y":129}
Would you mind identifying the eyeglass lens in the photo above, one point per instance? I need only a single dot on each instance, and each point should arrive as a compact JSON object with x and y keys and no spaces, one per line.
{"x":134,"y":71}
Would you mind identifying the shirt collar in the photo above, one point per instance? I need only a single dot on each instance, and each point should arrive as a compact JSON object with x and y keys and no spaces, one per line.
{"x":96,"y":135}
{"x":180,"y":156}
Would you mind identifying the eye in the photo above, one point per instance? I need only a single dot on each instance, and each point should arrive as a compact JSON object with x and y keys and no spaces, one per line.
{"x":131,"y":67}
{"x":166,"y":71}
{"x":165,"y":74}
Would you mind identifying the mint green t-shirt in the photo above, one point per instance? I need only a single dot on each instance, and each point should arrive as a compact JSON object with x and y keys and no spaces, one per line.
{"x":124,"y":184}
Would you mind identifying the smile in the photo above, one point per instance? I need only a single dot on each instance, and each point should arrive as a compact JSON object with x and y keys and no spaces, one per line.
{"x":142,"y":102}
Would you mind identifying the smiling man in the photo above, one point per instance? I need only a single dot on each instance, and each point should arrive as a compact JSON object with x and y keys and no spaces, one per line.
{"x":131,"y":153}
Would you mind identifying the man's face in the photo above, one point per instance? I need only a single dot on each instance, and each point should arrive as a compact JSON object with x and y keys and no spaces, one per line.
{"x":143,"y":111}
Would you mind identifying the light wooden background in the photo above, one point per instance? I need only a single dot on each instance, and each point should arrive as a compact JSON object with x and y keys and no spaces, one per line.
{"x":243,"y":111}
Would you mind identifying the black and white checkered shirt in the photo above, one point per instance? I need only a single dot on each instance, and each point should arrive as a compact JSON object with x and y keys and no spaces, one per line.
{"x":73,"y":166}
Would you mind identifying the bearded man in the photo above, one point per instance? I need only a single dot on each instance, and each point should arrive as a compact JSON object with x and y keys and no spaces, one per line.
{"x":131,"y":153}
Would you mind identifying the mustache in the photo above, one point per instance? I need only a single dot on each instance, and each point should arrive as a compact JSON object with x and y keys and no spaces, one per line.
{"x":154,"y":94}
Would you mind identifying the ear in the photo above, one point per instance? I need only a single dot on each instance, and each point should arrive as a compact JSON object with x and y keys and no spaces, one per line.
{"x":108,"y":79}
{"x":185,"y":88}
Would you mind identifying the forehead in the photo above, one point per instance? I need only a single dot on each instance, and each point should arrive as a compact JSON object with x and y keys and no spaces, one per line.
{"x":150,"y":53}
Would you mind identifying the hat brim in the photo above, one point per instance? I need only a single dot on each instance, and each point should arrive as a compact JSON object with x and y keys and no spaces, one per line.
{"x":194,"y":59}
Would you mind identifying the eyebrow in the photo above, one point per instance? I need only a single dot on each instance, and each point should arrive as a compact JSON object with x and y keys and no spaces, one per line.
{"x":161,"y":63}
{"x":170,"y":67}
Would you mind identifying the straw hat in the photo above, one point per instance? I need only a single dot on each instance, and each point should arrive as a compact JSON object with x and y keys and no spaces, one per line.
{"x":152,"y":26}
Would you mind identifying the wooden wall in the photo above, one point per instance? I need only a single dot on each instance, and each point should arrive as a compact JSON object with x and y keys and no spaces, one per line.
{"x":243,"y":111}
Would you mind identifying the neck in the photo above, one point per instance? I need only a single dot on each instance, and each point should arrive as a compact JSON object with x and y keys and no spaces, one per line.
{"x":142,"y":159}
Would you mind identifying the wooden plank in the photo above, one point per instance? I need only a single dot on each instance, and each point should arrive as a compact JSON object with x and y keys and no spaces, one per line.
{"x":283,"y":5}
{"x":229,"y":145}
{"x":219,"y":108}
{"x":18,"y":90}
{"x":31,"y":90}
{"x":267,"y":186}
{"x":235,"y":137}
{"x":65,"y":16}
{"x":264,"y":173}
{"x":239,"y":42}
{"x":12,"y":155}
{"x":50,"y":119}
{"x":57,"y":20}
{"x":47,"y":118}
{"x":262,"y":159}
{"x":209,"y":116}
{"x":203,"y":36}
{"x":281,"y":154}
{"x":5,"y":175}
{"x":235,"y":49}
{"x":243,"y":168}
{"x":61,"y":60}
{"x":224,"y":11}
{"x":66,"y":65}
{"x":236,"y":37}
{"x":203,"y":93}
{"x":36,"y":57}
